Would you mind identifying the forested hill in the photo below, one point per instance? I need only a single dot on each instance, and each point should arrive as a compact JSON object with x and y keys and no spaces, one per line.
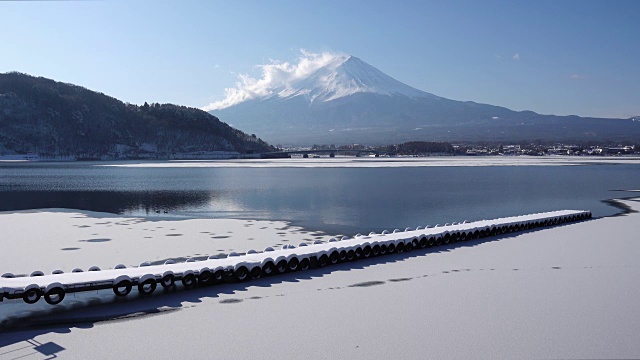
{"x":43,"y":116}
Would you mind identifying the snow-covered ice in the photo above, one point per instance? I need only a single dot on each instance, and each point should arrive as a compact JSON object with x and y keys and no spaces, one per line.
{"x":565,"y":292}
{"x":350,"y":162}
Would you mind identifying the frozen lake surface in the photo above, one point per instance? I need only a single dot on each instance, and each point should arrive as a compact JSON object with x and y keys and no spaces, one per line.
{"x":565,"y":292}
{"x":335,"y":195}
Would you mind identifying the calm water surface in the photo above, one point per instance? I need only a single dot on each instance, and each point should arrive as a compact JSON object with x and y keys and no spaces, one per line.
{"x":346,"y":200}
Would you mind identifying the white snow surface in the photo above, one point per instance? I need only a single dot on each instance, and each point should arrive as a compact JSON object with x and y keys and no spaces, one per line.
{"x":286,"y":252}
{"x":370,"y":162}
{"x":566,"y":292}
{"x":81,"y":239}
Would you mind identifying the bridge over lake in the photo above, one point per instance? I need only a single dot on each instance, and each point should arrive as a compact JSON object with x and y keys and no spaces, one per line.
{"x":330,"y":152}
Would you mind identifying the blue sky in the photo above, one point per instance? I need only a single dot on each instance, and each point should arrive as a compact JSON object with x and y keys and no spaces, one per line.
{"x":561,"y":57}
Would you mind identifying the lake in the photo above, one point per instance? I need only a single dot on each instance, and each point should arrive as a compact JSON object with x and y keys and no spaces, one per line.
{"x":340,"y":200}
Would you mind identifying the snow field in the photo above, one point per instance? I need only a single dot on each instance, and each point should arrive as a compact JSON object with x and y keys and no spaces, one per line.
{"x":255,"y":264}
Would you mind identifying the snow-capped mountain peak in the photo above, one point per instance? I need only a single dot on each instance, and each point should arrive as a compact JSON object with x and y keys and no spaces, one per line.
{"x":345,"y":76}
{"x":337,"y":99}
{"x":317,"y":78}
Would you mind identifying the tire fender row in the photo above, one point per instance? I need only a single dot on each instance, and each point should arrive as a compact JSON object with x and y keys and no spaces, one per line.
{"x":271,"y":261}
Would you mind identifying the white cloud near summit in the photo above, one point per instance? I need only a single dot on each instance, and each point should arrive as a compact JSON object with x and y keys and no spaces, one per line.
{"x":276,"y":76}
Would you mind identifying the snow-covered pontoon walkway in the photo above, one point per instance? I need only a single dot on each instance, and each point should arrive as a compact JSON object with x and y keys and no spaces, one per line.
{"x":255,"y":264}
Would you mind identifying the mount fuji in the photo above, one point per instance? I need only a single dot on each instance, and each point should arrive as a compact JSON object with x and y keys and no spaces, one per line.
{"x":333,"y":99}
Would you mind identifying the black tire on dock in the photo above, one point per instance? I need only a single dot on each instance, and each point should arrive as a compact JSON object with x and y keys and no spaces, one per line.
{"x":32,"y":295}
{"x":305,"y":264}
{"x":446,"y":239}
{"x":256,"y":273}
{"x":383,"y":249}
{"x":463,"y":236}
{"x":147,"y":287}
{"x":423,"y":242}
{"x":241,"y":273}
{"x":168,"y":281}
{"x":334,"y":257}
{"x":122,"y":288}
{"x":358,"y":252}
{"x":400,"y":247}
{"x":293,"y":264}
{"x":432,"y":241}
{"x":408,"y":246}
{"x":351,"y":255}
{"x":54,"y":296}
{"x":343,"y":255}
{"x":189,"y":280}
{"x":268,"y":268}
{"x":205,"y":278}
{"x":375,"y":251}
{"x":439,"y":241}
{"x":366,"y":252}
{"x":218,"y":276}
{"x":282,"y":266}
{"x":323,"y":260}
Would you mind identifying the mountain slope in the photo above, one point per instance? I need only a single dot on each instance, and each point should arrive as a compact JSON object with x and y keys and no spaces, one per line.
{"x":52,"y":118}
{"x":343,"y":77}
{"x":348,"y":100}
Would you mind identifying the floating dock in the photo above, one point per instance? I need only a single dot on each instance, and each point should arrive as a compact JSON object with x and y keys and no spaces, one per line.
{"x":254,"y":264}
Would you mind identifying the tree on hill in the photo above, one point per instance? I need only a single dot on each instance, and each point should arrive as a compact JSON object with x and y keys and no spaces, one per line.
{"x":54,"y":118}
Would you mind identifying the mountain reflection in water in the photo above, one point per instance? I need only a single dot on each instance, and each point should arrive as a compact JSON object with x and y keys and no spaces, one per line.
{"x":116,"y":202}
